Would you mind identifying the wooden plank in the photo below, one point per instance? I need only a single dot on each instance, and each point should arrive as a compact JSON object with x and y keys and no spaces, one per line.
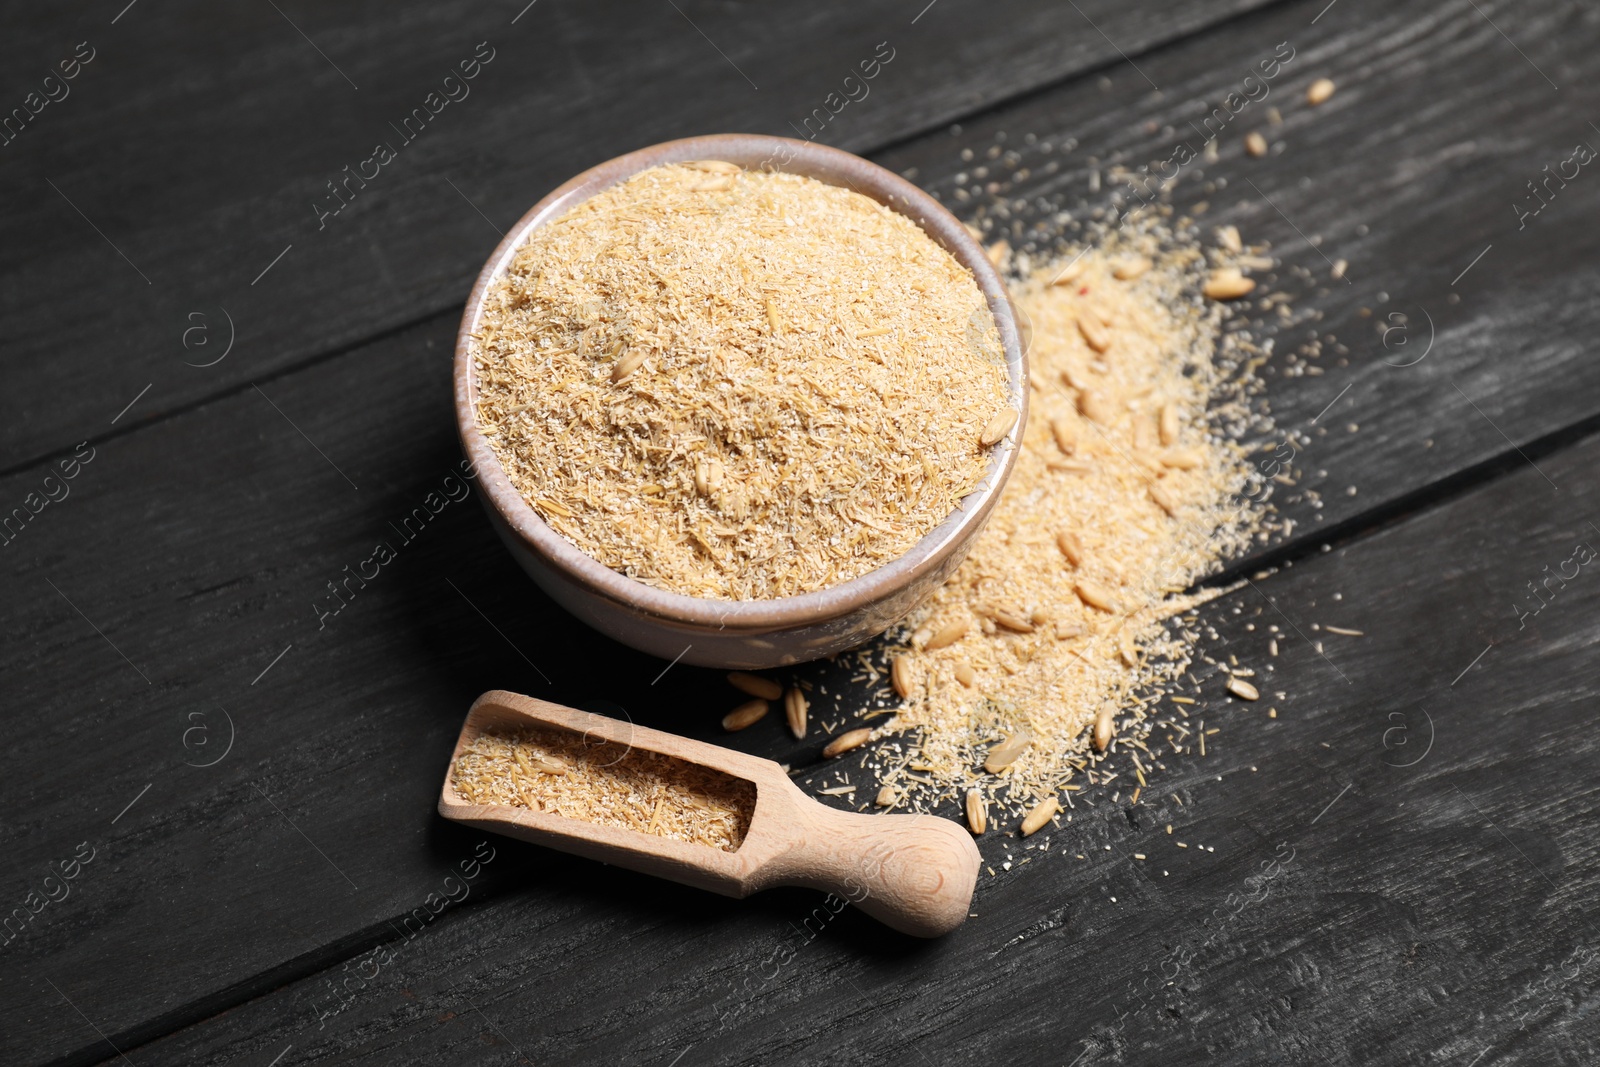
{"x":201,"y":571}
{"x":1397,"y":867}
{"x":183,"y":178}
{"x":1432,"y":361}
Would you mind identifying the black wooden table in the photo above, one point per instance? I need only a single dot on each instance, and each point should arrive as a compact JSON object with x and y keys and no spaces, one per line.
{"x":227,"y":371}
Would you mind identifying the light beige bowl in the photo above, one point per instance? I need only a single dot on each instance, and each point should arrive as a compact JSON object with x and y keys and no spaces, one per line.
{"x":742,"y":633}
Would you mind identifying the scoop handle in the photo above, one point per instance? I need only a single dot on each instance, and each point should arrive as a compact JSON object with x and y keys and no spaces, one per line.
{"x":915,"y":873}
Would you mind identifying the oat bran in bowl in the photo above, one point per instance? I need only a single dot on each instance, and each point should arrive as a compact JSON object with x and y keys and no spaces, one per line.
{"x":739,"y":400}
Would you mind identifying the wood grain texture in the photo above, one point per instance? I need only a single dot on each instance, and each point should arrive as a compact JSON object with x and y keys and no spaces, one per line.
{"x":1395,"y":869}
{"x":197,"y":548}
{"x":190,"y":151}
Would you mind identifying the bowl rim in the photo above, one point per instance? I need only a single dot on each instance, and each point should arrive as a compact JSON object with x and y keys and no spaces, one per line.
{"x":752,"y":151}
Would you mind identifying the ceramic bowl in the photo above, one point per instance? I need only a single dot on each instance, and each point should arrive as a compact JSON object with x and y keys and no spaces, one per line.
{"x":743,"y":633}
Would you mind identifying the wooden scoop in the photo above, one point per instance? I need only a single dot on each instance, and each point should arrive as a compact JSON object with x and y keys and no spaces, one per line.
{"x":914,"y":872}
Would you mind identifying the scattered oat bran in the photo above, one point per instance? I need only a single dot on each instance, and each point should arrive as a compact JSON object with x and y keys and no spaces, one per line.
{"x":1097,"y":558}
{"x":562,"y":773}
{"x":740,"y":387}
